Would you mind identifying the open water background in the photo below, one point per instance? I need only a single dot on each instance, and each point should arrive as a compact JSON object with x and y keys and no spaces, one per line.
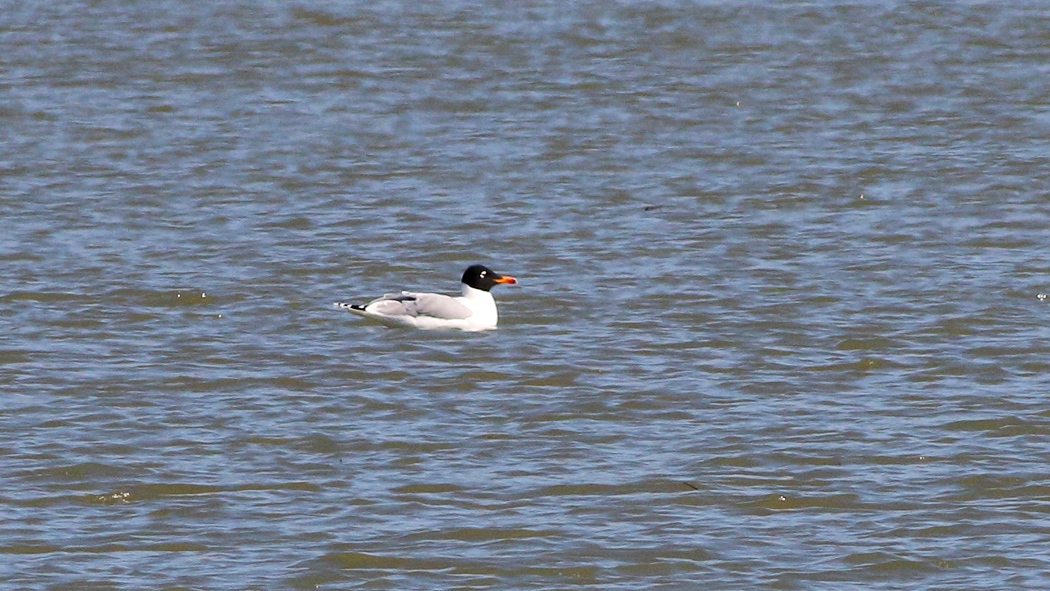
{"x":781,"y":321}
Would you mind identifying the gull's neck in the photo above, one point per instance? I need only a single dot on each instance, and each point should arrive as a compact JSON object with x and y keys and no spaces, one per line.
{"x":477,"y":295}
{"x":482,"y":304}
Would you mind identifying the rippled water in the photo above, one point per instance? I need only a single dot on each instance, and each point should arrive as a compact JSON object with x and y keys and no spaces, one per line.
{"x":782,"y":320}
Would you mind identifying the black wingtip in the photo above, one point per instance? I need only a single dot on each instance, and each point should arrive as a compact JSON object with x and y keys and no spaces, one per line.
{"x":346,"y":306}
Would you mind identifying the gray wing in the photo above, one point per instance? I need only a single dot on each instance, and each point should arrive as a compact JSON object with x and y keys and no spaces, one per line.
{"x":419,"y":304}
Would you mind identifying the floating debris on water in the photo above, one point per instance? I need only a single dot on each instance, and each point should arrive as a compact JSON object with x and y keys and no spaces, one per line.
{"x":117,"y":496}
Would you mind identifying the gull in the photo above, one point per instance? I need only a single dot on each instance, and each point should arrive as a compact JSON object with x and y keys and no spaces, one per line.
{"x":474,"y":310}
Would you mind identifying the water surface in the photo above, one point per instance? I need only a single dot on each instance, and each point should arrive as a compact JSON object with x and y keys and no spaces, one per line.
{"x":781,"y":323}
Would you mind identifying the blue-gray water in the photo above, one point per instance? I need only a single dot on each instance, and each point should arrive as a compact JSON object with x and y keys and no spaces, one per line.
{"x":781,"y":323}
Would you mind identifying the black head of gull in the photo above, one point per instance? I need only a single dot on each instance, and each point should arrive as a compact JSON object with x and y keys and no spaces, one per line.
{"x":483,"y":278}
